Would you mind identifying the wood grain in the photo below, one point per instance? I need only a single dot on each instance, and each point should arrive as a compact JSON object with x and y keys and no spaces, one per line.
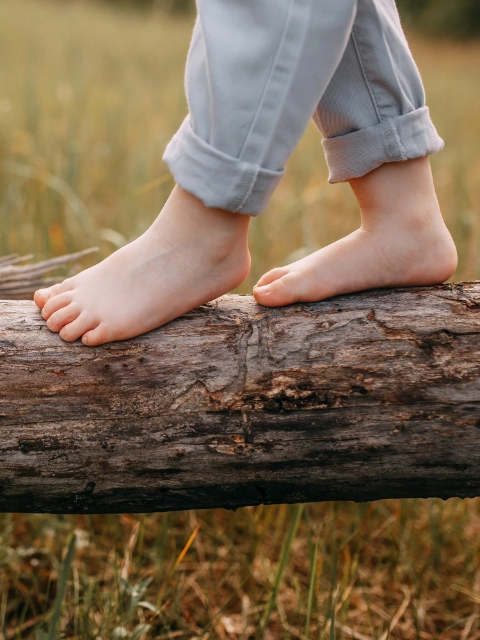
{"x":366,"y":396}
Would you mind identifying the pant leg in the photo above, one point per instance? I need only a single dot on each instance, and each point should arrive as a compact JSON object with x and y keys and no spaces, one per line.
{"x":373,"y":111}
{"x":256,"y":71}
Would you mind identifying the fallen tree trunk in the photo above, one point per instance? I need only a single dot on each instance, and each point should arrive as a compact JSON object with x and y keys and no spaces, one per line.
{"x":373,"y":395}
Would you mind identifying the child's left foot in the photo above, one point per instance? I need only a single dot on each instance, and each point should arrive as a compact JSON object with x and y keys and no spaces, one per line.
{"x":402,"y":241}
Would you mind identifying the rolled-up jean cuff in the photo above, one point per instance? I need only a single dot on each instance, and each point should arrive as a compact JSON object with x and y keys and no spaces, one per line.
{"x":355,"y":154}
{"x":217,"y":179}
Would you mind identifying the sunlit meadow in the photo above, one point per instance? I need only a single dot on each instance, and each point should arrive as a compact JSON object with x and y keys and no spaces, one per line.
{"x":89,"y":97}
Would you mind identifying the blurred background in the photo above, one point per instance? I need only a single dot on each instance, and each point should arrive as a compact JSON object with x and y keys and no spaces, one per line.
{"x":90,"y":94}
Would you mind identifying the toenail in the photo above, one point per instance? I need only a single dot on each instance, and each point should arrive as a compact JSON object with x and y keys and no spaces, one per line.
{"x":262,"y":290}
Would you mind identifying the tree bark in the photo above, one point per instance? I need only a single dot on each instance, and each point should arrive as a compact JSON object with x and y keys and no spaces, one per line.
{"x":360,"y":397}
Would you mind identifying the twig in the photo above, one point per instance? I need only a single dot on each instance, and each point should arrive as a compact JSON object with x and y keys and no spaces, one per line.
{"x":20,"y":282}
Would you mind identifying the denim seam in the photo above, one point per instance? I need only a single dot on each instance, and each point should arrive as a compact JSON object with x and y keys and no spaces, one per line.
{"x":278,"y":57}
{"x":371,"y":85}
{"x":269,"y":78}
{"x":396,"y":150}
{"x":245,"y":189}
{"x":250,"y":178}
{"x":207,"y":64}
{"x":365,"y":75}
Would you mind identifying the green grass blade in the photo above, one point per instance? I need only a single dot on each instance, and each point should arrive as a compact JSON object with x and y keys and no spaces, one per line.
{"x":282,"y":563}
{"x":311,"y":588}
{"x":332,"y":625}
{"x":61,"y":589}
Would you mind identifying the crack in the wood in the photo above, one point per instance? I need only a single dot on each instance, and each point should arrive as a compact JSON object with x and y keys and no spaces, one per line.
{"x":391,"y":334}
{"x":341,"y":446}
{"x":248,"y":411}
{"x":186,"y":395}
{"x":245,"y":352}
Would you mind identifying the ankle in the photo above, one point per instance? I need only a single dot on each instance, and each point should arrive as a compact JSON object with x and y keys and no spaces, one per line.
{"x":184,"y":213}
{"x":187,"y":226}
{"x":398,"y":192}
{"x":215,"y":238}
{"x":399,"y":205}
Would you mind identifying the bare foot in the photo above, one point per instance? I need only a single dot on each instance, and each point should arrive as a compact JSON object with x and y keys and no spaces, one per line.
{"x":190,"y":255}
{"x":402,"y":241}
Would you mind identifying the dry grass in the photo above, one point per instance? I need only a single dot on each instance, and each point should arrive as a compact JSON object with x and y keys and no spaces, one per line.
{"x":410,"y":566}
{"x":88,"y":100}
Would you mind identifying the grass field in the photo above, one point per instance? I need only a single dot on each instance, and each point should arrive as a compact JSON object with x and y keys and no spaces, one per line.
{"x":88,"y":100}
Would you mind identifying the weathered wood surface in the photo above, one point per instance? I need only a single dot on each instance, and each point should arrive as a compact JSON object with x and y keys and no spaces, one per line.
{"x":373,"y":395}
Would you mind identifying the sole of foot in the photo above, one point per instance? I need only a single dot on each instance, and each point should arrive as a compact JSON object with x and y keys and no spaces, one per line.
{"x":189,"y":256}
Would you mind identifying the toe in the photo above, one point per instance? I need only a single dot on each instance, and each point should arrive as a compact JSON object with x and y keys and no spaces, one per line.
{"x":96,"y":336}
{"x":55,"y":303}
{"x":73,"y":330}
{"x":272,"y":275}
{"x":41,"y":296}
{"x":63,"y":316}
{"x":284,"y":290}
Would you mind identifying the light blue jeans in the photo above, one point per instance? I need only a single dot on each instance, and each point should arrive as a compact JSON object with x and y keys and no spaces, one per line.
{"x":257,"y":71}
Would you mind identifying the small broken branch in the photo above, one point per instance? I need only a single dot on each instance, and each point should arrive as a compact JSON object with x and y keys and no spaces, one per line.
{"x":21,"y":282}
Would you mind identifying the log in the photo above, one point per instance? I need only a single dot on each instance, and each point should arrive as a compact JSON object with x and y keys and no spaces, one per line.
{"x":360,"y":397}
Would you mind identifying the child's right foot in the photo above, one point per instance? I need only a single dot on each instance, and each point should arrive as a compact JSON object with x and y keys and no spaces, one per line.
{"x":402,"y":241}
{"x":190,"y":255}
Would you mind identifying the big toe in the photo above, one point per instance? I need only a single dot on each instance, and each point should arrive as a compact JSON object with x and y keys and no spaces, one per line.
{"x":270,"y":276}
{"x":41,"y":296}
{"x":286,"y":289}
